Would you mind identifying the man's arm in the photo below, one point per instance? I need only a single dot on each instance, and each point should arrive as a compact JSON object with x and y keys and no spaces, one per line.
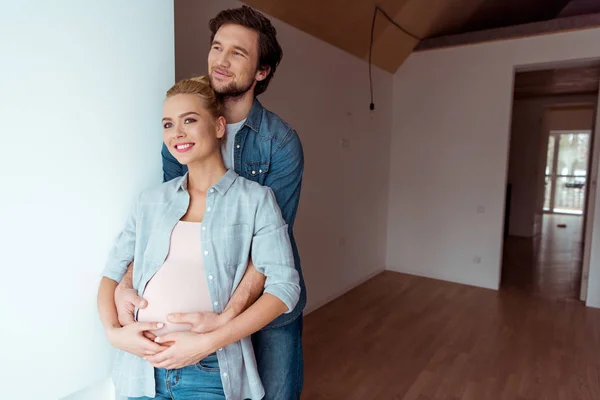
{"x":249,"y":289}
{"x":285,"y":176}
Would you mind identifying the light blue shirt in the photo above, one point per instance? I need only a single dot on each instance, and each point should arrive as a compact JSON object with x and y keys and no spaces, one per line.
{"x":242,"y":218}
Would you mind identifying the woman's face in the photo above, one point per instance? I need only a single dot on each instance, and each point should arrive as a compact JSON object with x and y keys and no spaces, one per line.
{"x":190,"y":132}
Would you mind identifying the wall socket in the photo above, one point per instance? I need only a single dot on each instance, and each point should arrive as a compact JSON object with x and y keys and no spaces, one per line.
{"x":477,"y":260}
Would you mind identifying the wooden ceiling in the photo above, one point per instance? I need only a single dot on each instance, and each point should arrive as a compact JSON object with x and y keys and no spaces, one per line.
{"x":347,"y":23}
{"x":552,"y":82}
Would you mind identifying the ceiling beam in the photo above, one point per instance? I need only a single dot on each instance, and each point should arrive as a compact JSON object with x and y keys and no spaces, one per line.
{"x":513,"y":32}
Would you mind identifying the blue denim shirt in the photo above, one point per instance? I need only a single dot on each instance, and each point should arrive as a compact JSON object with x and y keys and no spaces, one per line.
{"x":267,"y":151}
{"x":242,"y":218}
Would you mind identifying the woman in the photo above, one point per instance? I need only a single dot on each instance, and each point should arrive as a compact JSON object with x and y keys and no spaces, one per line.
{"x":191,"y":239}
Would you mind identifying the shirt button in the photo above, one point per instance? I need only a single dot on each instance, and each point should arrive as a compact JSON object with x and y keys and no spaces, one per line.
{"x":225,"y":374}
{"x":253,"y":172}
{"x":216,"y":303}
{"x":208,"y":209}
{"x":221,"y":349}
{"x":203,"y":228}
{"x":205,"y":252}
{"x":237,"y":146}
{"x":212,"y":190}
{"x":210,"y":277}
{"x":260,"y":171}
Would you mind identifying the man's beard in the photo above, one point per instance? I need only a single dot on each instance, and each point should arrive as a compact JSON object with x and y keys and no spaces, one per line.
{"x":232,"y":90}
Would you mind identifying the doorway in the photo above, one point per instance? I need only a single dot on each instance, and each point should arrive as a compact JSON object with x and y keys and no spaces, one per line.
{"x":551,"y":163}
{"x":567,"y":163}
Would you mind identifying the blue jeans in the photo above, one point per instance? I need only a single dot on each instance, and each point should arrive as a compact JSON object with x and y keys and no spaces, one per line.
{"x":279,"y":359}
{"x":199,"y":381}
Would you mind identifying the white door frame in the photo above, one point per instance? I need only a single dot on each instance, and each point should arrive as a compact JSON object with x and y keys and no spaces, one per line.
{"x":590,"y":206}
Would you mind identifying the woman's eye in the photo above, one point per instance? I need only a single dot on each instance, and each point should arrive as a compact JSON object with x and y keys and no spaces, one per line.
{"x":167,"y":125}
{"x":189,"y":121}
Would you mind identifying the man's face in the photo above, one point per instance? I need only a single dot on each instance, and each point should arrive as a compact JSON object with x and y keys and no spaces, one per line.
{"x":233,"y":61}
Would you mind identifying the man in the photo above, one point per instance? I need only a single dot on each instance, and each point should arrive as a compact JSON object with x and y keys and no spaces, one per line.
{"x":243,"y":57}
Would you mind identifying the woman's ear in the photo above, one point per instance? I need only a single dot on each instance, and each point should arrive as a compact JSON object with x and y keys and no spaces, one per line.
{"x":220,"y":125}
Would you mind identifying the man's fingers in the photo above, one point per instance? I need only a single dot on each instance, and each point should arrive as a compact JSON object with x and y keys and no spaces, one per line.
{"x":185,"y":318}
{"x":159,"y":357}
{"x":132,"y":297}
{"x":153,"y":350}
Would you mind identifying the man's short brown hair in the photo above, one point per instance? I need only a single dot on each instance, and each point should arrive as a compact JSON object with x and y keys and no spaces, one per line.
{"x":270,"y":52}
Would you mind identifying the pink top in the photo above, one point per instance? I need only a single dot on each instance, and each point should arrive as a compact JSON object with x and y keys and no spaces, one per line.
{"x":180,"y":284}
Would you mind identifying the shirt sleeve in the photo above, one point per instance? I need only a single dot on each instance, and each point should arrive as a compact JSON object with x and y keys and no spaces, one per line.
{"x":272,"y":253}
{"x":285,"y":176}
{"x":123,"y":249}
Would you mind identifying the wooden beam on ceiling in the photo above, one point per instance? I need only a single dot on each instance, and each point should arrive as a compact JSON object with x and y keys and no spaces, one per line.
{"x":513,"y":32}
{"x":347,"y":25}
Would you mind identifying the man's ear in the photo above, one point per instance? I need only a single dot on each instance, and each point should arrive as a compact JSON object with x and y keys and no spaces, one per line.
{"x":262,"y":73}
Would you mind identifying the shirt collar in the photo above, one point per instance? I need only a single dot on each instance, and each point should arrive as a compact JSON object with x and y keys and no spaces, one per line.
{"x":255,"y":116}
{"x":222,"y":185}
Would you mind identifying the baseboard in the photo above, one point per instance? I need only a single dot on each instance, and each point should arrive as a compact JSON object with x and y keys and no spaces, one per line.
{"x":445,"y":278}
{"x":329,"y":299}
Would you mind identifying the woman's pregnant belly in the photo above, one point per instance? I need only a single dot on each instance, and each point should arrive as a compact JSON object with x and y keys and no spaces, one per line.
{"x":180,"y":284}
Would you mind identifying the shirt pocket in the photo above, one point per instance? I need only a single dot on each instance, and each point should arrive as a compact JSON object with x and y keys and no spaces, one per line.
{"x":232,"y":243}
{"x":257,"y":171}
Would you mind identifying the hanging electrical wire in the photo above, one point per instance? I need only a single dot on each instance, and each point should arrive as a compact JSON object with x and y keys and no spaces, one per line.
{"x":380,"y":10}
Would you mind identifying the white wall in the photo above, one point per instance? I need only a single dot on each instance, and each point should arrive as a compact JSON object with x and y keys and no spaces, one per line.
{"x":452,"y":113}
{"x":528,"y":144}
{"x":323,"y":93}
{"x":82,"y":85}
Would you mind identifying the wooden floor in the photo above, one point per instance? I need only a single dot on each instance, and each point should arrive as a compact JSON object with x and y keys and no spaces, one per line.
{"x":401,"y":337}
{"x":549,"y":266}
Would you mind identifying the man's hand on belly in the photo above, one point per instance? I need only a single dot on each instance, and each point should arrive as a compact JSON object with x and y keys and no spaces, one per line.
{"x":127,"y":299}
{"x":202,"y":322}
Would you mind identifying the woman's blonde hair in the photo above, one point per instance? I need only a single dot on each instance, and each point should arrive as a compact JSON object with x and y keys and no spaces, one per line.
{"x":199,"y":85}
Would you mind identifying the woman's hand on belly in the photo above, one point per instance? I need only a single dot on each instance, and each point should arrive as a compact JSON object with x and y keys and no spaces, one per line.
{"x":131,"y":339}
{"x":185,"y":348}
